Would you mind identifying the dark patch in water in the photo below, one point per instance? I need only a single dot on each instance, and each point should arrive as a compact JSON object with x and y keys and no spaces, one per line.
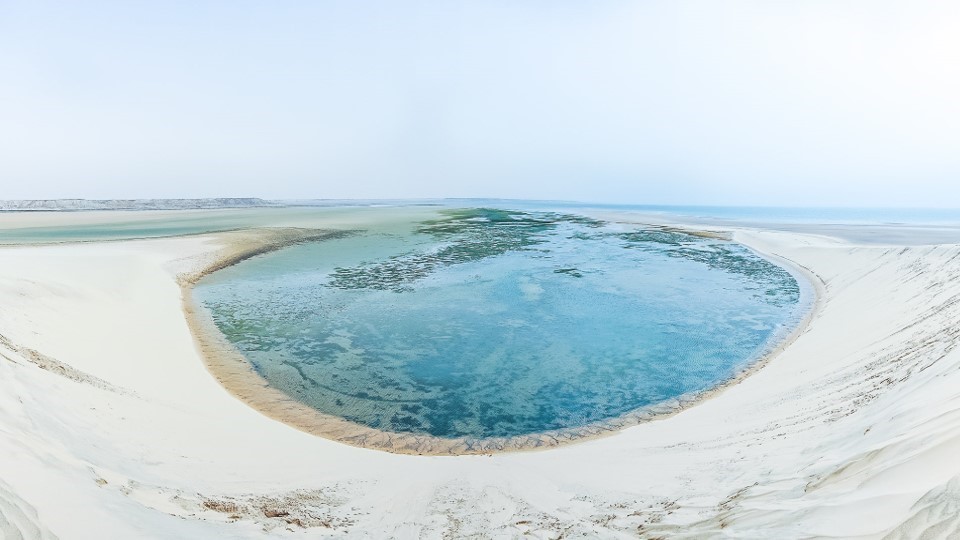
{"x":772,"y":283}
{"x":471,"y":235}
{"x":572,"y":272}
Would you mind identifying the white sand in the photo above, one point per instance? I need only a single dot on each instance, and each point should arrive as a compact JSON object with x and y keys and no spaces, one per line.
{"x":111,"y":428}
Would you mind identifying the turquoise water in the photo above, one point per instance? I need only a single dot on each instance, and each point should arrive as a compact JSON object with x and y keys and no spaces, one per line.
{"x":493,"y":323}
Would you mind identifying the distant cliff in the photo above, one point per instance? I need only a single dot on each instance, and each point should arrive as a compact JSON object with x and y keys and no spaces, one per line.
{"x":66,"y":205}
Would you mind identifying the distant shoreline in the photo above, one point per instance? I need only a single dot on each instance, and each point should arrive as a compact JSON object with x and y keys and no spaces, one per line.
{"x":235,"y":373}
{"x":12,"y":206}
{"x":89,"y":205}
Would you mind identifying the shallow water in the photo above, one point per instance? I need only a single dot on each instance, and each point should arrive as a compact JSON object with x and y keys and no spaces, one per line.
{"x":57,"y":227}
{"x":491,"y":323}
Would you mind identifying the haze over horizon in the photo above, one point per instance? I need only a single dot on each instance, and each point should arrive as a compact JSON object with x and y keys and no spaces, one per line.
{"x":746,"y":103}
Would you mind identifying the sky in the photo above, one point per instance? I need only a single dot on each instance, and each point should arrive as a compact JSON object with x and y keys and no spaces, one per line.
{"x":765,"y":102}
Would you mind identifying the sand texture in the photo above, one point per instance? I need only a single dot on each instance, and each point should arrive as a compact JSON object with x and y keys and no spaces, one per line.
{"x":111,"y":425}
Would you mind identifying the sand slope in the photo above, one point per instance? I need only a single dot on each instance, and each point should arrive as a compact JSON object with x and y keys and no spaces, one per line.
{"x":110,"y":427}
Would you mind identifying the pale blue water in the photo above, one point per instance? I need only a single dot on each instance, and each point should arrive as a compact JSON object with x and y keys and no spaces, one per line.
{"x":54,"y":227}
{"x":767,"y":214}
{"x":74,"y":226}
{"x":488,"y":323}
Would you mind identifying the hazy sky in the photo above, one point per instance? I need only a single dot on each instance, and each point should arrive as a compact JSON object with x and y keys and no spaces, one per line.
{"x":714,"y":102}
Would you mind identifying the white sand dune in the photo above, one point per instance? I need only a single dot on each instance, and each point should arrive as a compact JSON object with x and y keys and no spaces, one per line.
{"x":111,"y":427}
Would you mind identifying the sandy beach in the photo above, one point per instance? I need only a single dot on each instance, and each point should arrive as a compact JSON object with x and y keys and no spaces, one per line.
{"x":112,"y":425}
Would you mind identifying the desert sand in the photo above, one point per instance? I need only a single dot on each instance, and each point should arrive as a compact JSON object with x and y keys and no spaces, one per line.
{"x":111,"y":425}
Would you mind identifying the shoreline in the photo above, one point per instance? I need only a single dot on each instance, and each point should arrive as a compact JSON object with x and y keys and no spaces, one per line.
{"x":112,"y":426}
{"x":234,"y":372}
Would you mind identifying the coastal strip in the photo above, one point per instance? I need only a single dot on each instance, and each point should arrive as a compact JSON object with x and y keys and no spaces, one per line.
{"x":235,"y":373}
{"x":852,"y":431}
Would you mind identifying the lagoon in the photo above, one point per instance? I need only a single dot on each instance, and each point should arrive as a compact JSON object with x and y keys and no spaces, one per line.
{"x":484,"y":322}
